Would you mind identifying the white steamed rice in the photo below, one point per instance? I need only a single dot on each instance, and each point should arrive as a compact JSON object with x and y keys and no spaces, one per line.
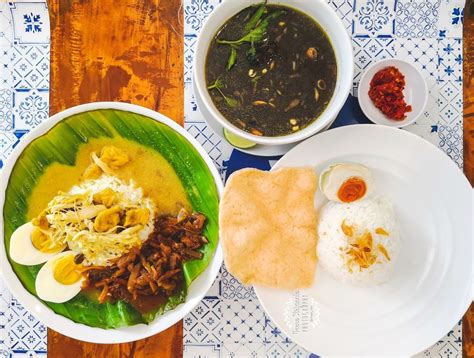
{"x":364,"y":215}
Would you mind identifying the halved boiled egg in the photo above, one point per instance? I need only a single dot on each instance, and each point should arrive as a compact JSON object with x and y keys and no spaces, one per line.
{"x":346,"y":182}
{"x":60,"y":279}
{"x":31,"y":245}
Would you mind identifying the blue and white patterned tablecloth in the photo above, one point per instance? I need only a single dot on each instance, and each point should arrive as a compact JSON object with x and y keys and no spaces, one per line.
{"x":24,"y":103}
{"x":229,"y":322}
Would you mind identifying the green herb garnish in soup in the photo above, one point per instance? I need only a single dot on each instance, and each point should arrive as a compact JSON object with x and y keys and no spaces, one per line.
{"x":271,"y":70}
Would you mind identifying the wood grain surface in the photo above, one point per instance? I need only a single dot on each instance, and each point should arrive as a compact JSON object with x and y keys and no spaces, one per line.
{"x":129,"y":51}
{"x":468,"y":88}
{"x":108,"y":50}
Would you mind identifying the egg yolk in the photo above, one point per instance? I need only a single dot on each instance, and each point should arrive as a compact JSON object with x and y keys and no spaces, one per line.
{"x":42,"y":241}
{"x":352,"y":189}
{"x":66,"y":271}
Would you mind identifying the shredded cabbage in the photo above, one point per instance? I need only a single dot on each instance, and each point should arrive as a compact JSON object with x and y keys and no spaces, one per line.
{"x":71,"y":217}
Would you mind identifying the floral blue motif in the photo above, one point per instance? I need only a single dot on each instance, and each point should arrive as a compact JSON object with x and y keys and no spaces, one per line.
{"x":275,"y":331}
{"x":33,"y":110}
{"x":202,"y":325}
{"x":449,"y":70}
{"x":374,"y":15}
{"x":196,"y":12}
{"x":458,"y":16}
{"x":33,"y":22}
{"x":417,"y":18}
{"x":450,"y":60}
{"x":448,"y":49}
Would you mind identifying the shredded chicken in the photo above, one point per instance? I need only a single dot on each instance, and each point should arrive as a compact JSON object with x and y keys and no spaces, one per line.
{"x":156,"y":267}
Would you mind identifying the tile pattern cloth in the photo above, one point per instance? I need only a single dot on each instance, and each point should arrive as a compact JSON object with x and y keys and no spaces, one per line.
{"x":229,"y":321}
{"x":24,"y":103}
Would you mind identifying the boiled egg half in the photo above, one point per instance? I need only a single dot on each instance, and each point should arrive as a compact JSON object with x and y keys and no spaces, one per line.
{"x":346,"y":182}
{"x":31,"y":245}
{"x":60,"y":279}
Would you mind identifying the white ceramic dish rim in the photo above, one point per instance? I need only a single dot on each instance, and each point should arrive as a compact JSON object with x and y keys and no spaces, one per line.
{"x":362,"y":97}
{"x":462,"y":302}
{"x":77,"y":330}
{"x":212,"y":24}
{"x":258,"y":150}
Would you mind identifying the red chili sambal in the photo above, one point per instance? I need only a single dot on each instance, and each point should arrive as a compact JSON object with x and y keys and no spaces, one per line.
{"x":386,"y":92}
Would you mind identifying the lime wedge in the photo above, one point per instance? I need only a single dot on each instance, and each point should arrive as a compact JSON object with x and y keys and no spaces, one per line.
{"x":237,"y":141}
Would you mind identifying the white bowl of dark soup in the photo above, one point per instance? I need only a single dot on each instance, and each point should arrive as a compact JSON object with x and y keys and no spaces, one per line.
{"x":273,"y":73}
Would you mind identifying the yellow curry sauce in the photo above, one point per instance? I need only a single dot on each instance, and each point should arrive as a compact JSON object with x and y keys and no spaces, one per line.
{"x":146,"y":167}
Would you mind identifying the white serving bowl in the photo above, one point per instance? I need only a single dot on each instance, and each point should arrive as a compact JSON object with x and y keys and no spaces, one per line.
{"x":415,"y":92}
{"x":63,"y":325}
{"x":322,"y":13}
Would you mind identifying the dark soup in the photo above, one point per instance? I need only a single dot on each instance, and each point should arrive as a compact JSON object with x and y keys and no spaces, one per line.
{"x":271,"y":70}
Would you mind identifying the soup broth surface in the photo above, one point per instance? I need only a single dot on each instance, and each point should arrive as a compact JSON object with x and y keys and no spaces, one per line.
{"x":273,"y":78}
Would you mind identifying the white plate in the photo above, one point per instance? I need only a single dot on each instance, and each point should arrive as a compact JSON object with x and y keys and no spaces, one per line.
{"x":65,"y":326}
{"x":431,"y":286}
{"x":415,"y":92}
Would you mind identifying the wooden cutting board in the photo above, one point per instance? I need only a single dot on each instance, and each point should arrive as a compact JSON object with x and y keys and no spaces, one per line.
{"x":129,"y":51}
